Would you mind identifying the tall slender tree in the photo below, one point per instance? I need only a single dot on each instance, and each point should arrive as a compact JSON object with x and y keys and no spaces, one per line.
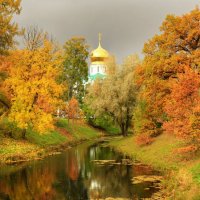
{"x":75,"y":67}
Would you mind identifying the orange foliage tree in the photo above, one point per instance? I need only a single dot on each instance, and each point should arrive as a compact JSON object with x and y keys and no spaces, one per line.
{"x":183,"y":109}
{"x":166,"y":55}
{"x":72,"y":109}
{"x":8,"y":30}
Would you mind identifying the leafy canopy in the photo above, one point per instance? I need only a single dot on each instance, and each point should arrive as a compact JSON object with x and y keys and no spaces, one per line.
{"x":75,"y":72}
{"x":166,"y":56}
{"x":115,"y":96}
{"x":8,"y":29}
{"x":32,"y":86}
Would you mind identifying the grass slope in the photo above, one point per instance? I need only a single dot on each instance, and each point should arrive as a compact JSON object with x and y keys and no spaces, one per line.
{"x":182,"y":175}
{"x":77,"y":129}
{"x":37,"y":145}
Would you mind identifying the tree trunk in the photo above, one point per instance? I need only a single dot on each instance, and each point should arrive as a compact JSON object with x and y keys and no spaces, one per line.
{"x":123,"y":129}
{"x":127,"y":122}
{"x":126,"y":127}
{"x":10,"y":134}
{"x":24,"y":134}
{"x":70,"y":92}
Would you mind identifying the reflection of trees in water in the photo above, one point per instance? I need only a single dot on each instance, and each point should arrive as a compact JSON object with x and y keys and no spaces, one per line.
{"x":113,"y":181}
{"x":71,"y":183}
{"x":72,"y":190}
{"x":72,"y":167}
{"x":110,"y":181}
{"x":34,"y":183}
{"x":72,"y":176}
{"x":105,"y":181}
{"x":53,"y":178}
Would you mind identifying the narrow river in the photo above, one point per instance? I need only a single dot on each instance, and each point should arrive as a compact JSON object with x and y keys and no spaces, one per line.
{"x":76,"y":174}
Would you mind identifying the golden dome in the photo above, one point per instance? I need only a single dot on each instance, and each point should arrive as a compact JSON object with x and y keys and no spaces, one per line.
{"x":99,"y":52}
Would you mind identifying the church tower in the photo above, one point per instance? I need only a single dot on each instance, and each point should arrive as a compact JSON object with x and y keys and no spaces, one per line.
{"x":98,"y":58}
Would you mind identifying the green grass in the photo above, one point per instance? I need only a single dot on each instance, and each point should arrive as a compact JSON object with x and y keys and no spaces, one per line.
{"x":46,"y":139}
{"x":195,"y":170}
{"x":182,"y":175}
{"x":62,"y":123}
{"x":162,"y":148}
{"x":112,"y":130}
{"x":11,"y":150}
{"x":36,"y":145}
{"x":9,"y":146}
{"x":78,"y":130}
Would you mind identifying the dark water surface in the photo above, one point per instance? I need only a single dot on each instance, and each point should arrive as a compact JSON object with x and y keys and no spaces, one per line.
{"x":73,"y":176}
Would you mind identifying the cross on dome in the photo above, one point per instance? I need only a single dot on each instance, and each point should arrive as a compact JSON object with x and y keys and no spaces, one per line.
{"x":100,"y":37}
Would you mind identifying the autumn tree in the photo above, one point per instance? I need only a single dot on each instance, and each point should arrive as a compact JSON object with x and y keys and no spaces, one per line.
{"x":7,"y":32}
{"x":115,"y":96}
{"x":4,"y":99}
{"x":111,"y":65}
{"x":34,"y":37}
{"x":8,"y":28}
{"x":183,"y":109}
{"x":72,"y":109}
{"x":166,"y":55}
{"x":33,"y":88}
{"x":75,"y":72}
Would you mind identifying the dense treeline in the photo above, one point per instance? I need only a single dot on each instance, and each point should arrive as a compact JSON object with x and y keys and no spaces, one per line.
{"x":168,"y":100}
{"x":163,"y":95}
{"x":159,"y":94}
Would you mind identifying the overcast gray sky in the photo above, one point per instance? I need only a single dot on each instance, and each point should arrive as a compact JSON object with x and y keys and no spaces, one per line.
{"x":125,"y":24}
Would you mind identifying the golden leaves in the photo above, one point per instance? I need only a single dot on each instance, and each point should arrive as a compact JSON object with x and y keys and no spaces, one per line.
{"x":35,"y":94}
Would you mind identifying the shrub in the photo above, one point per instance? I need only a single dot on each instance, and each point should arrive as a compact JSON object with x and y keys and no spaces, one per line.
{"x":144,"y":139}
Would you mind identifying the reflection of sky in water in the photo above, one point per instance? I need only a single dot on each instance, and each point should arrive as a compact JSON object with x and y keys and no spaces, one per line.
{"x":92,"y":153}
{"x":72,"y":176}
{"x":94,"y":185}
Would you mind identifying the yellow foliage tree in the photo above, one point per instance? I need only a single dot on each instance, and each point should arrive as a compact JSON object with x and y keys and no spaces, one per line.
{"x":8,"y":29}
{"x":32,"y":85}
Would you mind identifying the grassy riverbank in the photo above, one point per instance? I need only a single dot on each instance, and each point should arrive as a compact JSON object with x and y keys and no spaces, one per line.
{"x":182,"y":173}
{"x":38,"y":146}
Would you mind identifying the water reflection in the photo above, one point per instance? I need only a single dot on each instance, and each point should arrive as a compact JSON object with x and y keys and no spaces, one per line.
{"x":73,"y":176}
